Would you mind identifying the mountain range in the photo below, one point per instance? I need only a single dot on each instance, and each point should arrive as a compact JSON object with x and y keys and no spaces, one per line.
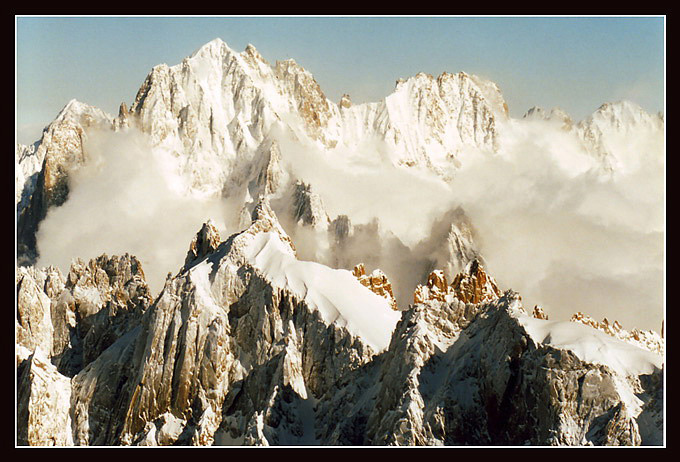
{"x":295,"y":271}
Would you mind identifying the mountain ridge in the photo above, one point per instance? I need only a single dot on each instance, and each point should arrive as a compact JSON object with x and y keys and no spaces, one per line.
{"x":238,"y":379}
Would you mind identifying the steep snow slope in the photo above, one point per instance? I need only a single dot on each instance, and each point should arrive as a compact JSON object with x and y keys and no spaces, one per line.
{"x":593,"y":346}
{"x":337,"y":294}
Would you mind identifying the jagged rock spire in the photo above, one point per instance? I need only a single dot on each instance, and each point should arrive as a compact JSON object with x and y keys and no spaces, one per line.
{"x":436,"y":288}
{"x":472,"y":285}
{"x":475,"y":286}
{"x":204,"y":243}
{"x":308,"y":207}
{"x":264,"y":220}
{"x":377,"y":282}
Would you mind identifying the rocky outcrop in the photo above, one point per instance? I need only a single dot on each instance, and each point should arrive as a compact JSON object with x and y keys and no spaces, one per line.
{"x":538,"y":313}
{"x":27,"y":165}
{"x":345,"y":102}
{"x":204,"y":243}
{"x":308,"y":100}
{"x":308,"y":209}
{"x":436,"y":288}
{"x":64,"y":325}
{"x":647,"y":339}
{"x":472,"y":286}
{"x":527,"y":392}
{"x":109,"y":295}
{"x":271,"y":176}
{"x":377,"y":282}
{"x":73,"y":319}
{"x":340,"y":229}
{"x":43,"y":403}
{"x":33,"y":323}
{"x":475,"y":286}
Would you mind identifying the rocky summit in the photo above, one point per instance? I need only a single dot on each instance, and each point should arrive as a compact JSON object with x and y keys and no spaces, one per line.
{"x":267,"y":331}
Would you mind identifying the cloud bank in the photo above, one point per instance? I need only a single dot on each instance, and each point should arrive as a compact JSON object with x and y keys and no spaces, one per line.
{"x":566,"y":235}
{"x":127,"y":198}
{"x":550,"y":225}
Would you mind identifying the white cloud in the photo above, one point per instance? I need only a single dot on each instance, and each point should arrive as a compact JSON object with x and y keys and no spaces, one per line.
{"x":125,"y":199}
{"x":548,"y":225}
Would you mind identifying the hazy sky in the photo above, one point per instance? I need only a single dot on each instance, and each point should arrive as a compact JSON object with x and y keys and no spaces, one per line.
{"x":575,"y":63}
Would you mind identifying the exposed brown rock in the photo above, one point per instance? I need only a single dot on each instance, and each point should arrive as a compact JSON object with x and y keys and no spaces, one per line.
{"x":475,"y":286}
{"x":436,"y":288}
{"x":377,"y":282}
{"x":647,"y":339}
{"x":345,"y":101}
{"x":538,"y":313}
{"x":309,"y":99}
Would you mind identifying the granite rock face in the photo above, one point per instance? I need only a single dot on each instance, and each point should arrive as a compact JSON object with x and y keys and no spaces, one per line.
{"x":43,"y":403}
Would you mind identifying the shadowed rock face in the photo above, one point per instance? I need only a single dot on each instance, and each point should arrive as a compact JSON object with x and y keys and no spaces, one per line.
{"x":458,"y":374}
{"x":63,"y":325}
{"x":204,"y":243}
{"x":74,"y":319}
{"x":308,"y":208}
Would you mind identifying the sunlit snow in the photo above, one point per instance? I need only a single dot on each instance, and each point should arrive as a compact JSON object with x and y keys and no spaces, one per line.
{"x":336,"y":293}
{"x":592,"y":346}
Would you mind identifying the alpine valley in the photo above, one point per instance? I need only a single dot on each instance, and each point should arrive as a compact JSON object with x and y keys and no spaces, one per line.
{"x":235,"y":259}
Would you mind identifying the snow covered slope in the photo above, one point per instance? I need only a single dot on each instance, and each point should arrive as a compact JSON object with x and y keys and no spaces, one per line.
{"x":593,"y":346}
{"x":337,"y":294}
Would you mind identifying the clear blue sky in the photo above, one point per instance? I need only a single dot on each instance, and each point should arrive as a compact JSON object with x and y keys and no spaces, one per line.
{"x":575,"y":63}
